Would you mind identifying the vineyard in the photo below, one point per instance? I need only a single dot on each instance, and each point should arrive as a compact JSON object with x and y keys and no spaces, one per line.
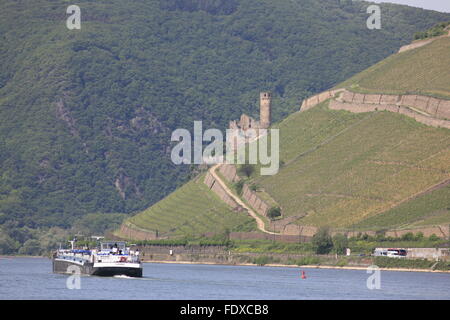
{"x":190,"y":211}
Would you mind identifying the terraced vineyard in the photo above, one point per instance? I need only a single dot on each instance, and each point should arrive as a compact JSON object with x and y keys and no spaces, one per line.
{"x":423,"y":71}
{"x":342,"y":168}
{"x":190,"y":211}
{"x":351,"y":171}
{"x":430,"y":209}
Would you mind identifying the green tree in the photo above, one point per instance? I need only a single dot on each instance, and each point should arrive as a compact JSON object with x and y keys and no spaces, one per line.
{"x":322,"y":241}
{"x":31,"y":247}
{"x":7,"y":244}
{"x":340,"y":243}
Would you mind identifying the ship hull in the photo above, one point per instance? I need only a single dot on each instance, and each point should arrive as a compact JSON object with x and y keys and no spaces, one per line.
{"x":117,"y":271}
{"x":86,"y":268}
{"x":71,"y":267}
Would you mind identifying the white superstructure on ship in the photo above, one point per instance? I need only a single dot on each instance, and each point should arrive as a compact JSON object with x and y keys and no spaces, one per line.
{"x":110,"y":259}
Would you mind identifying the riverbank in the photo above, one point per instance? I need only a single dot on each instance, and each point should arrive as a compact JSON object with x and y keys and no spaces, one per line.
{"x":362,"y":268}
{"x":243,"y":264}
{"x":21,"y":256}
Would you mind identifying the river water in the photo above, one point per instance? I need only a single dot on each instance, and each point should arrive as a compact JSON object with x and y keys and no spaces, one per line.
{"x":32,"y":278}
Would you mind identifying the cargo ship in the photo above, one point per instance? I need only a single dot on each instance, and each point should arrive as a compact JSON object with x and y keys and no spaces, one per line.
{"x":109,"y":259}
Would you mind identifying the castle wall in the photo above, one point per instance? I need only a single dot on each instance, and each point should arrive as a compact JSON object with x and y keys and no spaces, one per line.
{"x":265,"y":114}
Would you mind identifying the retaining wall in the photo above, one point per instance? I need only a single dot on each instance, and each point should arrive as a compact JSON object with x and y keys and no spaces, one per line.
{"x":436,"y":108}
{"x":319,"y":98}
{"x":254,"y":201}
{"x":229,"y":172}
{"x":220,"y":191}
{"x":427,"y":110}
{"x":266,"y":236}
{"x":440,"y":231}
{"x":361,"y":107}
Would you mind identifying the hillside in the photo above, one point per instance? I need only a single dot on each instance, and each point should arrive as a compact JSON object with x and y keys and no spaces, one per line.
{"x":190,"y":211}
{"x":370,"y":163}
{"x":367,"y":171}
{"x":420,"y":71}
{"x":86,"y":115}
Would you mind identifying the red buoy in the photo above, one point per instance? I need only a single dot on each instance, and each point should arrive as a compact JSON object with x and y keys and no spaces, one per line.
{"x":303,"y":275}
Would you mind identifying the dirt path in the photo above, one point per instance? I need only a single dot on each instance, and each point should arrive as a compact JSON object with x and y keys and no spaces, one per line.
{"x":259,"y":221}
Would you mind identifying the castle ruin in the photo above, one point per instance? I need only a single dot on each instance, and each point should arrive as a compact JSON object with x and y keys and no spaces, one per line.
{"x":246,"y":122}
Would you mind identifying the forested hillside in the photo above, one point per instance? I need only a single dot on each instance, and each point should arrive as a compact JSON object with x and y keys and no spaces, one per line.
{"x":367,"y":171}
{"x":86,"y":115}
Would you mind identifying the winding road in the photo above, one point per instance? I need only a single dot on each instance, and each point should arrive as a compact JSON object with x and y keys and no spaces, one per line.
{"x":259,"y":221}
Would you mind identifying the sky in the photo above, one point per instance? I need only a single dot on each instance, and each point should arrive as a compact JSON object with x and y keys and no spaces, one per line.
{"x":438,"y":5}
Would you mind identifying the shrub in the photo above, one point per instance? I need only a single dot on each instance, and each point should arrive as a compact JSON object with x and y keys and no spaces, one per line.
{"x":435,"y":31}
{"x":274,"y":212}
{"x":434,"y":237}
{"x":408,"y":236}
{"x":386,"y":262}
{"x":238,"y":186}
{"x":246,"y":169}
{"x":263,"y":260}
{"x":419,"y":236}
{"x":342,"y":263}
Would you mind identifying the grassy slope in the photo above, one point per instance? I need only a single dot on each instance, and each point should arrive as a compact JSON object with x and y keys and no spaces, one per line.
{"x":369,"y":163}
{"x":429,"y":209}
{"x":357,"y":172}
{"x":192,"y":210}
{"x":423,"y":70}
{"x":363,"y":170}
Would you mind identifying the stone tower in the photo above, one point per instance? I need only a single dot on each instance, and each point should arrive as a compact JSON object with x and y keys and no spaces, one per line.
{"x":265,"y":102}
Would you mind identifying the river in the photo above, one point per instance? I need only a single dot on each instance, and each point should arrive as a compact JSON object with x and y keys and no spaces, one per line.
{"x":32,"y":278}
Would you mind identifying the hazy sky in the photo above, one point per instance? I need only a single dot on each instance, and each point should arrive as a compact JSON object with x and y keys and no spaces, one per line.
{"x":438,"y":5}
